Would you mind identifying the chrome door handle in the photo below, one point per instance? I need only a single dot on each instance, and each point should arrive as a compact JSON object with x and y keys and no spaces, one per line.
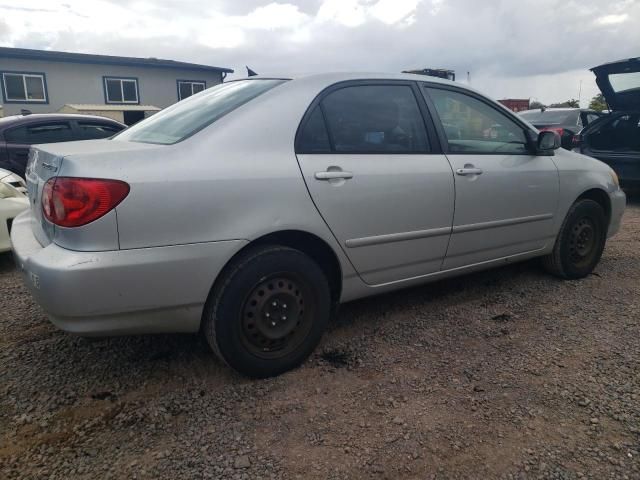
{"x":333,"y":174}
{"x":469,"y":171}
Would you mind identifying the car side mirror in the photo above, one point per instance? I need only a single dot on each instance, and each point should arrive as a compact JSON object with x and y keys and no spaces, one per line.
{"x":548,"y":142}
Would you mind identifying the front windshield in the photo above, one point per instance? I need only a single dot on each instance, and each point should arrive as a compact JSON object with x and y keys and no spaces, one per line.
{"x":191,"y":115}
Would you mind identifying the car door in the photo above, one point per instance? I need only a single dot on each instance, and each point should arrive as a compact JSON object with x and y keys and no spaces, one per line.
{"x":506,"y":197}
{"x":20,"y":139}
{"x":378,"y":179}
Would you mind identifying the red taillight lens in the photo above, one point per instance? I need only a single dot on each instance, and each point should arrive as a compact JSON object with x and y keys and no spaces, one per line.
{"x":558,"y":130}
{"x":73,"y":202}
{"x":576,"y":141}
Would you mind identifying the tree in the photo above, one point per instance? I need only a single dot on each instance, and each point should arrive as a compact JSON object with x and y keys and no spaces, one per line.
{"x":573,"y":103}
{"x":598,"y":103}
{"x":535,"y":105}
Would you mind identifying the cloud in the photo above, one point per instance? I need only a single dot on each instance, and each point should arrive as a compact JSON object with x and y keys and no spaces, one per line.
{"x":393,"y":11}
{"x":5,"y":31}
{"x":540,"y":48}
{"x":349,"y":13}
{"x":612,"y":19}
{"x":274,"y":16}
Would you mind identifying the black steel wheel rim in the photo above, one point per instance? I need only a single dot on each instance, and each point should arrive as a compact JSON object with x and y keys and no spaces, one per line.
{"x":277,"y":316}
{"x":583,"y":242}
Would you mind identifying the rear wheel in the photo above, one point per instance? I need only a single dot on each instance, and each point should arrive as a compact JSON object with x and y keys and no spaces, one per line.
{"x":580,"y":243}
{"x":268,"y":312}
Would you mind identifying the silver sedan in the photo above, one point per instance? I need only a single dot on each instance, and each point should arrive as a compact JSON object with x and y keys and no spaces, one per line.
{"x":251,"y":210}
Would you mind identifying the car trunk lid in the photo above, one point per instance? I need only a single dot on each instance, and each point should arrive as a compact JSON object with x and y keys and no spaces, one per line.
{"x":619,"y":82}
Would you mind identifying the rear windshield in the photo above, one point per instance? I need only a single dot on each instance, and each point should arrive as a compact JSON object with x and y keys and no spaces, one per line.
{"x":621,"y":82}
{"x":191,"y":115}
{"x":550,"y":117}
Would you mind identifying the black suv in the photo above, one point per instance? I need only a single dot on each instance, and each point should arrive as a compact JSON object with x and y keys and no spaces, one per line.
{"x":615,"y":138}
{"x":19,"y":132}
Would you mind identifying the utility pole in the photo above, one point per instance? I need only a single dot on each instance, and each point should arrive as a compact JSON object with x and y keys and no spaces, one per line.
{"x":579,"y":93}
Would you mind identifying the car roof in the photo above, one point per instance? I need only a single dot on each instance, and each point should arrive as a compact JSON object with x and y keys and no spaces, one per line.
{"x":14,"y":120}
{"x":320,"y":81}
{"x":336,"y":77}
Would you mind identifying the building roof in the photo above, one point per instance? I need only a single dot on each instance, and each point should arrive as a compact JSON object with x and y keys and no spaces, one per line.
{"x":83,"y":107}
{"x":53,"y":56}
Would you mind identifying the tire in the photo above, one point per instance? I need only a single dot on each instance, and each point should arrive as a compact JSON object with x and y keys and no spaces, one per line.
{"x":580,"y":242}
{"x":268,"y":311}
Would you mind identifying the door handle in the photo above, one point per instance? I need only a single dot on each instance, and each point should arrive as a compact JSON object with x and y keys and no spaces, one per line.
{"x":333,"y":174}
{"x":469,"y":171}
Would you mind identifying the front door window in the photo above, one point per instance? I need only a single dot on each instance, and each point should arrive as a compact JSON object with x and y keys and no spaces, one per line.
{"x":472,"y":126}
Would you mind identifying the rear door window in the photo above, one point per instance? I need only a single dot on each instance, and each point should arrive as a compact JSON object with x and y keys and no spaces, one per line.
{"x":375,"y":119}
{"x":313,"y":137}
{"x":93,"y":130}
{"x":51,"y":132}
{"x":472,"y":126}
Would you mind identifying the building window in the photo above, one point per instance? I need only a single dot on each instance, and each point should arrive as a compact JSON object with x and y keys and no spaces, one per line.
{"x":121,"y":90}
{"x":186,"y":88}
{"x":24,"y":87}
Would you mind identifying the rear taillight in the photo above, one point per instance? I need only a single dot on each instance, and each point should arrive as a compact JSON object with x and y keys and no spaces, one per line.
{"x":73,"y":202}
{"x":576,"y":141}
{"x":558,"y":130}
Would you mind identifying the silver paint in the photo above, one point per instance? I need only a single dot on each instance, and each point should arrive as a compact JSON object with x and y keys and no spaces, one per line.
{"x":391,"y":220}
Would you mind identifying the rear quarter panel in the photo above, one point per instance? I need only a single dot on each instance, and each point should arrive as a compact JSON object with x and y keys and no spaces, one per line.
{"x":236,"y":179}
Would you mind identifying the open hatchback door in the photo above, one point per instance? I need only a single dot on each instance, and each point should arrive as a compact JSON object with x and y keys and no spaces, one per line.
{"x":619,"y":82}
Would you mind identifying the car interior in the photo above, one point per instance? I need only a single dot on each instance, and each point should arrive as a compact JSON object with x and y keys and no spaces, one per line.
{"x":375,"y":119}
{"x":621,"y":134}
{"x":472,"y":126}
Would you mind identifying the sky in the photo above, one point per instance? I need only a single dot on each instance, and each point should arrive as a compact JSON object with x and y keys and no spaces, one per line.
{"x":539,"y":49}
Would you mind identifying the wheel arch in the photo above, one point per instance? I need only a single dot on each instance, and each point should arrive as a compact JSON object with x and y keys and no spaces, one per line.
{"x":308,"y":243}
{"x":599,"y":196}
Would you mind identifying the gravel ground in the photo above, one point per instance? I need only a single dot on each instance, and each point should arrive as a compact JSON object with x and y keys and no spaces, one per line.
{"x":503,"y":374}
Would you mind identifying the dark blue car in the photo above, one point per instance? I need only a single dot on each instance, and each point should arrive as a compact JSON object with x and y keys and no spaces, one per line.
{"x":19,"y":132}
{"x":615,"y":138}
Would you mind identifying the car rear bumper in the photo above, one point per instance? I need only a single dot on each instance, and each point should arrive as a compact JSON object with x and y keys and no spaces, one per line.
{"x":146,"y":290}
{"x":618,"y":204}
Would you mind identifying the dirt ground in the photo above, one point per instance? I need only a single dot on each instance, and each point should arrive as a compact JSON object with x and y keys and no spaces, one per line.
{"x":503,"y":374}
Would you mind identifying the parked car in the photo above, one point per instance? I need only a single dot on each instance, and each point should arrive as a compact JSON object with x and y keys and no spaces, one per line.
{"x":19,"y":132}
{"x":566,"y":122}
{"x":615,"y":139}
{"x":251,"y":210}
{"x":13,"y":200}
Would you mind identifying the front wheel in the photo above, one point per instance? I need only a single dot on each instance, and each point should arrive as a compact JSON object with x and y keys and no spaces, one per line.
{"x":580,"y":243}
{"x":268,"y":311}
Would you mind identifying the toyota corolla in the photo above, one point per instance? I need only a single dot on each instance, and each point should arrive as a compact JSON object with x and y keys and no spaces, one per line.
{"x":251,"y":210}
